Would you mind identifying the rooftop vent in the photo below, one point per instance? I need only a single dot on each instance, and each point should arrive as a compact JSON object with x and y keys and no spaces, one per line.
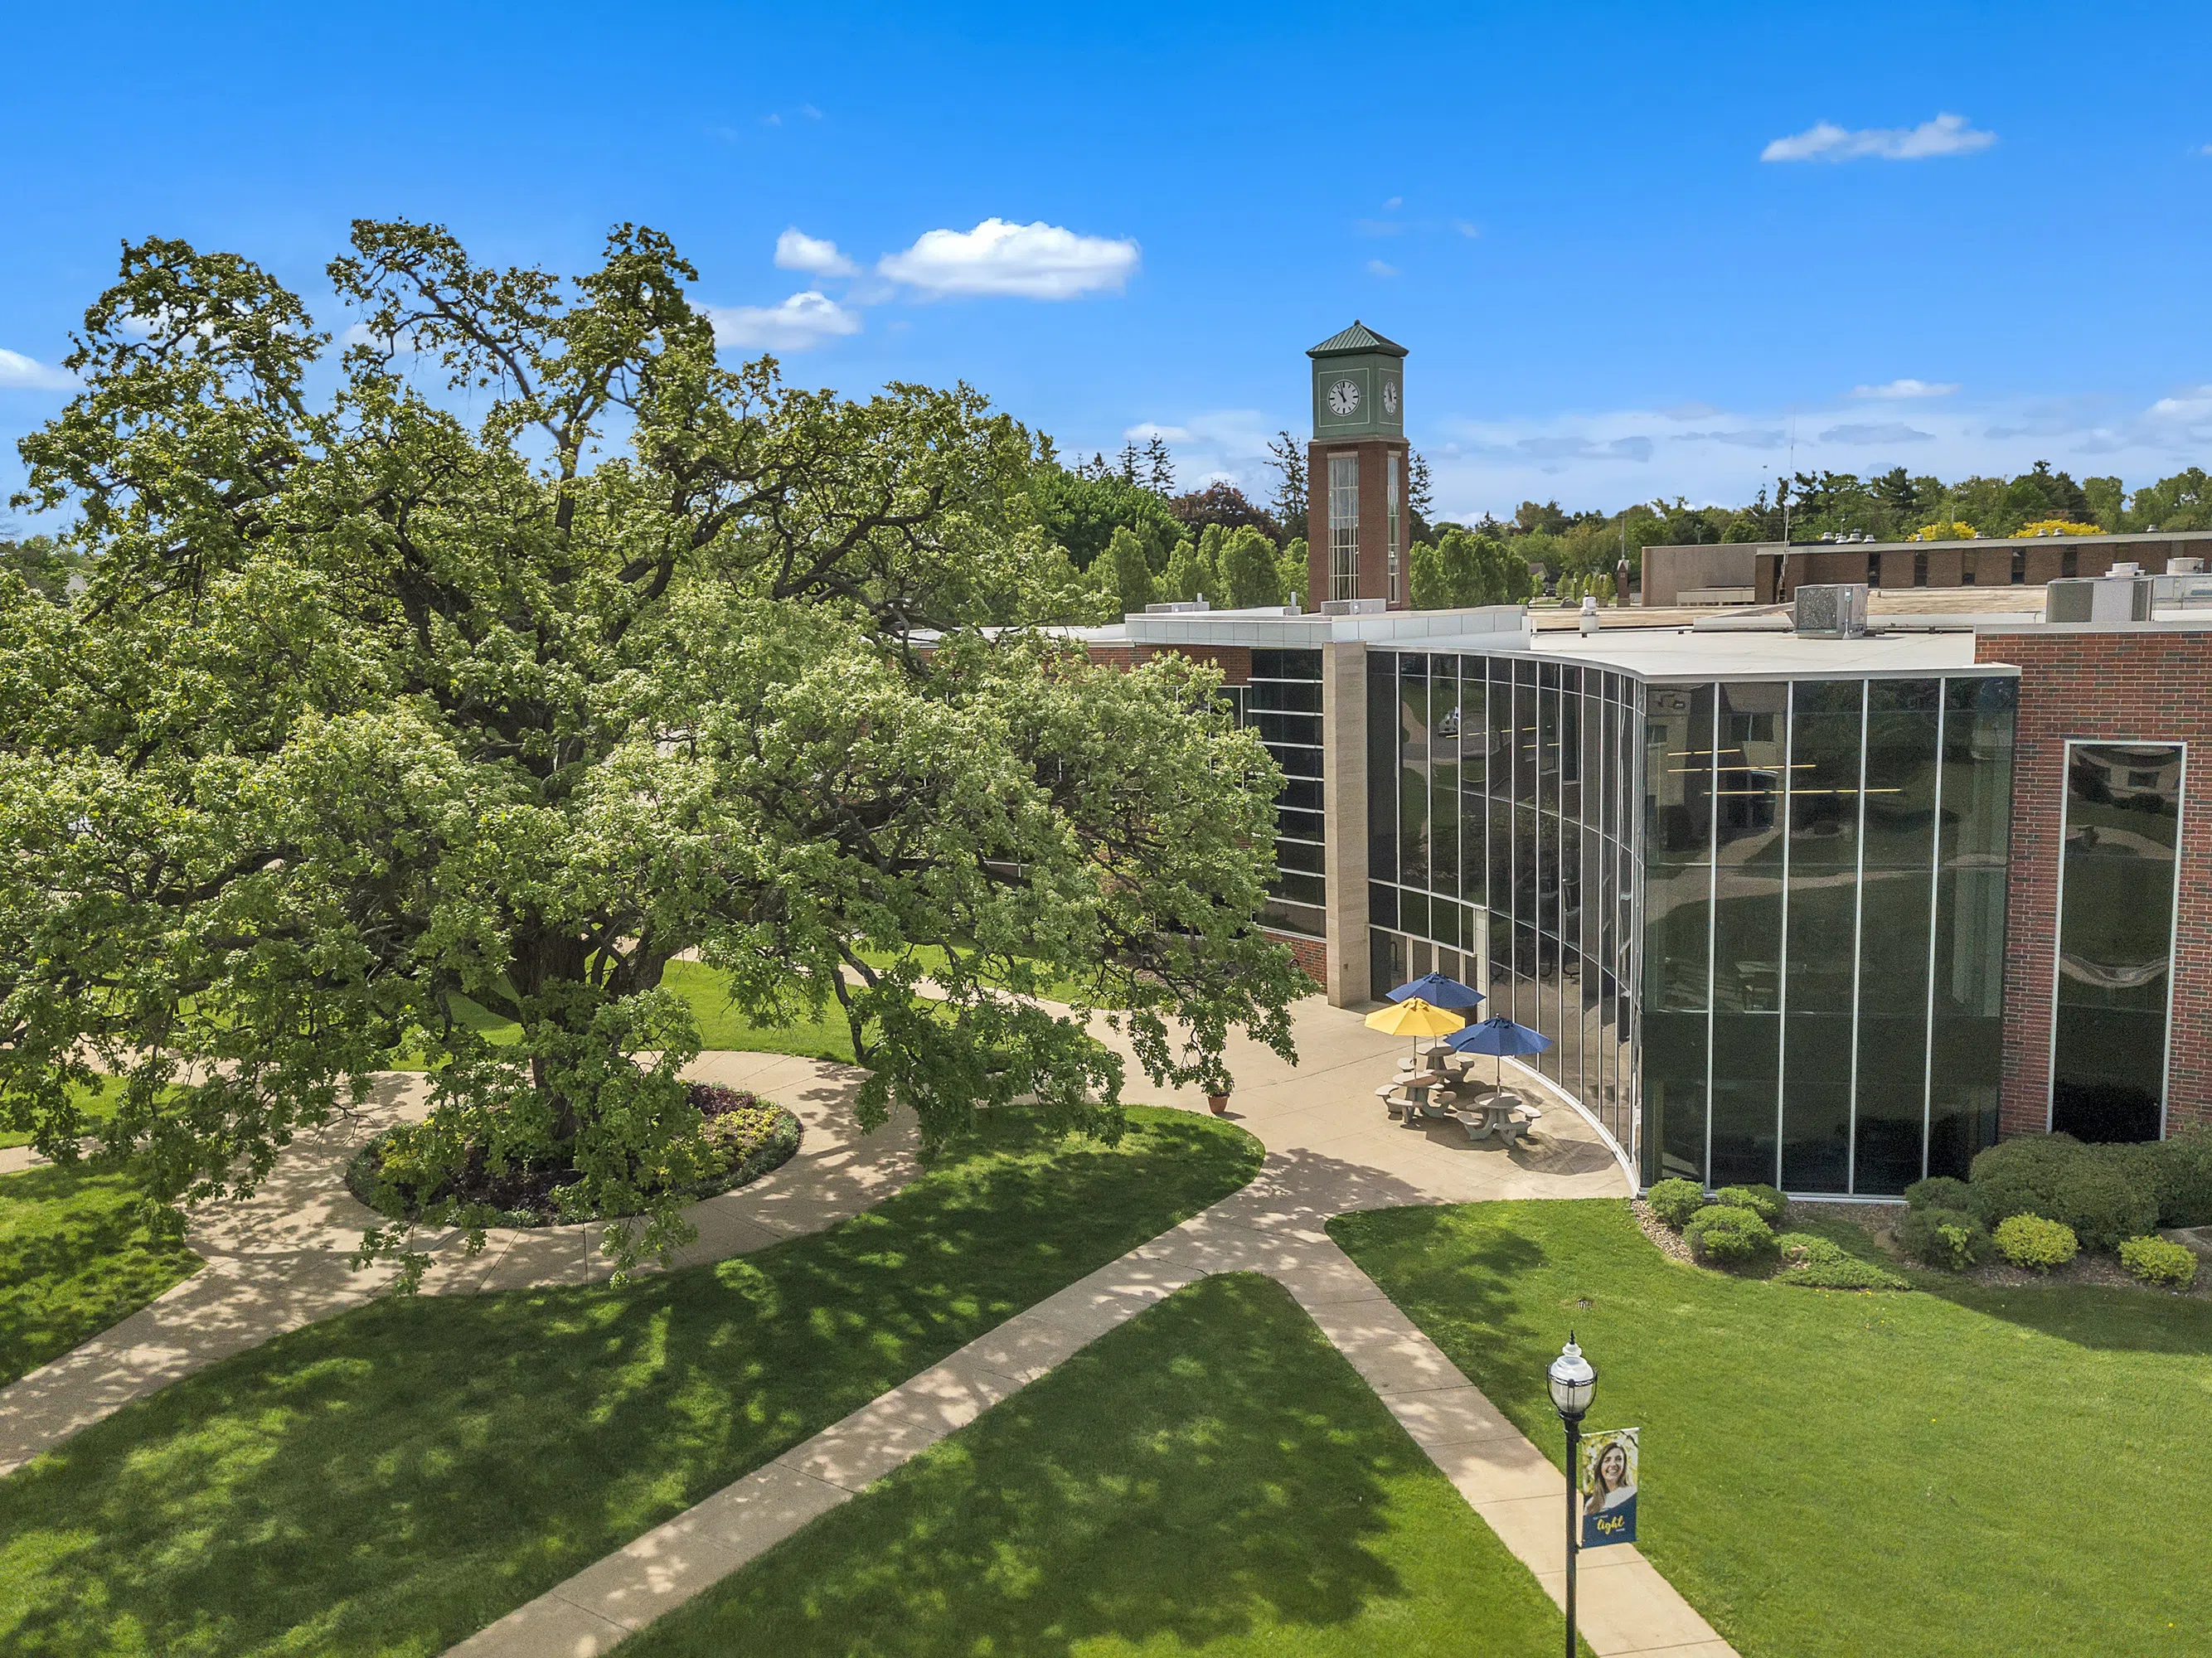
{"x":1837,"y":610}
{"x":1177,"y":607}
{"x":1352,"y":607}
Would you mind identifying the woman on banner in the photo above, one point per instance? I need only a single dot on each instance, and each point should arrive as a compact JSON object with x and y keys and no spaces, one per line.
{"x":1611,"y":1484}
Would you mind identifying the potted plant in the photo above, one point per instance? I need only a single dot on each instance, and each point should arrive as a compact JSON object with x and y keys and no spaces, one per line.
{"x":1217,"y":1094}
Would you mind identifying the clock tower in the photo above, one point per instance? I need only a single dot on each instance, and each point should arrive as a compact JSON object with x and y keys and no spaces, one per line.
{"x":1358,"y":521}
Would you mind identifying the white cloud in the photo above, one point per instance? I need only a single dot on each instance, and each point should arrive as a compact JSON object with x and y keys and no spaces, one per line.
{"x":2191,"y":405}
{"x":30,"y":374}
{"x":802,"y":321}
{"x":797,"y":251}
{"x":1375,"y":267}
{"x":1907,"y":388}
{"x":1947,"y":134}
{"x":1032,"y":262}
{"x":1394,"y":201}
{"x":1888,"y":431}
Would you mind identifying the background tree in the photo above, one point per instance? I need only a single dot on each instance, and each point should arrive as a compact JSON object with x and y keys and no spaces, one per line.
{"x":368,"y":709}
{"x":46,"y":566}
{"x":1292,"y":563}
{"x":1159,"y":466}
{"x":1287,"y":459}
{"x":1462,"y":568}
{"x":1249,"y":572}
{"x":1189,"y":575}
{"x":1127,"y":574}
{"x":1223,"y":504}
{"x":1081,"y":511}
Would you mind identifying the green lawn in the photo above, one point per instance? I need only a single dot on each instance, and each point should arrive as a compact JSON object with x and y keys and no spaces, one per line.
{"x":720,"y":1025}
{"x":391,"y":1480}
{"x":97,"y":1102}
{"x":1210,"y":1477}
{"x":74,"y":1257}
{"x":1957,"y":1470}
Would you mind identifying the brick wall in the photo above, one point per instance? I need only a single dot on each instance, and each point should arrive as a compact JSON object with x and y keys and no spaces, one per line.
{"x":2110,"y":686}
{"x":1311,"y":954}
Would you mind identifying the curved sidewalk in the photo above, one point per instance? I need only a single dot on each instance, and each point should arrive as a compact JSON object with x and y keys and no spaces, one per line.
{"x":1276,"y":1226}
{"x":279,"y":1260}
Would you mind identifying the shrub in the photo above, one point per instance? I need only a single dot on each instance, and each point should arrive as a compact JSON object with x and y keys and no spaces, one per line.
{"x":2158,"y":1260}
{"x":1819,"y":1263}
{"x":1727,"y":1235}
{"x":1763,"y":1201}
{"x":2104,"y":1193}
{"x":2038,"y":1244}
{"x":1953,"y":1239}
{"x":2181,"y":1169}
{"x":1675,"y":1200}
{"x":1938,"y":1191}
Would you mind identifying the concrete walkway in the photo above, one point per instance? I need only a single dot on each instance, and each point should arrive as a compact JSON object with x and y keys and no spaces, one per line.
{"x":1275,"y":1225}
{"x":279,"y":1260}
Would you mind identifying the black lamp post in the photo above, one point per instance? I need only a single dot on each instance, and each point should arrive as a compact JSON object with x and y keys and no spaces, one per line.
{"x":1573,"y":1379}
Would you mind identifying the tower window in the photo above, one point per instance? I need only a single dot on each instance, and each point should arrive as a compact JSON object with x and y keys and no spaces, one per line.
{"x":1344,"y":526}
{"x":1390,"y":498}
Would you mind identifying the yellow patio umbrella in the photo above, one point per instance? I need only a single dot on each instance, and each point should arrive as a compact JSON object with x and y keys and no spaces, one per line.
{"x":1416,"y":1018}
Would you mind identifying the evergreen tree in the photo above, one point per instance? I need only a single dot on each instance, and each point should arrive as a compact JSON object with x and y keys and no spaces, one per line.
{"x":1287,"y":460}
{"x":1159,"y":466}
{"x":1128,"y":577}
{"x":1188,"y":578}
{"x":1129,"y":457}
{"x":1249,"y":572}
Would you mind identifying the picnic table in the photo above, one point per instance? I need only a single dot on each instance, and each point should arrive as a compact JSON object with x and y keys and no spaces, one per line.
{"x":1484,"y":1112}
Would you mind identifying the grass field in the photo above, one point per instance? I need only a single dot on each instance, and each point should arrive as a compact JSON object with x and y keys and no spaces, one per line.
{"x":1952,"y":1471}
{"x":391,"y":1480}
{"x":1212,"y":1478}
{"x":74,"y":1257}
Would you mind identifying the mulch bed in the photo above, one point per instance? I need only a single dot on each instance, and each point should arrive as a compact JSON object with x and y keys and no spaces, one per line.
{"x":758,"y":1134}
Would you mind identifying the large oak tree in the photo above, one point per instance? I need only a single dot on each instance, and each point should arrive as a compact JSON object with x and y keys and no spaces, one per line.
{"x":522,"y":647}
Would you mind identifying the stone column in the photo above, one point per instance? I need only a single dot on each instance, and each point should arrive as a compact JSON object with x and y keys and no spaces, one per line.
{"x":1344,"y":798}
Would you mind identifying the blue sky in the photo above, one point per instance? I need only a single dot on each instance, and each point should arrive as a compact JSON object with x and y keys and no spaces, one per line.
{"x":1980,"y":238}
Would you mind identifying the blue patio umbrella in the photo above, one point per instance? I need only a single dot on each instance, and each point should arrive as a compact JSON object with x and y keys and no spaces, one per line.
{"x":1438,"y":991}
{"x":1498,"y":1036}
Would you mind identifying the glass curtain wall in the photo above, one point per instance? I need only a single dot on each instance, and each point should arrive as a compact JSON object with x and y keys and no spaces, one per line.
{"x":1502,"y":827}
{"x":1824,"y":887}
{"x":1282,"y":703}
{"x":2116,"y":891}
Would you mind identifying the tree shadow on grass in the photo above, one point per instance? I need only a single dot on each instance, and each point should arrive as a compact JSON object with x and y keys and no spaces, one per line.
{"x":1212,"y":1469}
{"x":2088,"y":1316}
{"x":399,"y":1477}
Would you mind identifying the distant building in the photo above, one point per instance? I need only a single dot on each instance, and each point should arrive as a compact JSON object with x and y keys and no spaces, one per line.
{"x":1758,"y":572}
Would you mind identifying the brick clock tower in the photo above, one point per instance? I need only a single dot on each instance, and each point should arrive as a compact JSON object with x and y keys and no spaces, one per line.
{"x":1358,"y":521}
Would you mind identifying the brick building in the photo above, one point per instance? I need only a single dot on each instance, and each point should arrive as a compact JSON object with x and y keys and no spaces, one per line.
{"x":1832,"y":913}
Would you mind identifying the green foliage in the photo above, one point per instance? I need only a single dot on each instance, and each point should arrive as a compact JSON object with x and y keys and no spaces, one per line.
{"x":1211,"y":1477}
{"x":1675,"y":1200}
{"x":2103,"y":1193}
{"x":2038,"y":1244}
{"x":1937,"y":1191}
{"x":1251,"y":574}
{"x":1765,"y":1201}
{"x":2159,"y":1260}
{"x":77,"y":1255}
{"x":1725,"y":1235}
{"x":1819,"y":1263}
{"x":46,"y":566}
{"x":2181,"y":1169}
{"x":1126,"y":577}
{"x":369,"y":712}
{"x":1187,"y":576}
{"x":1081,"y":514}
{"x":431,"y":1463}
{"x":1292,"y":565}
{"x":1952,"y":1239}
{"x":1462,"y":568}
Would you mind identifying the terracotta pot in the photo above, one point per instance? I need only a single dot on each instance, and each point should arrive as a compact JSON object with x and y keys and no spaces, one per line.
{"x":1218,"y":1104}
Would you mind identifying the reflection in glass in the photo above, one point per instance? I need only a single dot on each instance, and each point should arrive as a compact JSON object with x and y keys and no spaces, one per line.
{"x":2115,"y":940}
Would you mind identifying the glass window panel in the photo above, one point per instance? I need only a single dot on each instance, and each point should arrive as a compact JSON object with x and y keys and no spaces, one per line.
{"x":1674,"y":1076}
{"x":1444,"y":720}
{"x":1547,"y":738}
{"x":2115,"y":940}
{"x":1382,"y":762}
{"x":1524,"y":731}
{"x":1299,"y":825}
{"x":1824,"y":773}
{"x":1747,"y":941}
{"x":1978,"y":756}
{"x":1900,"y":773}
{"x":1892,"y":1057}
{"x":1300,"y":855}
{"x":1413,"y":769}
{"x":1300,"y":728}
{"x":1298,"y":762}
{"x":1286,"y":917}
{"x":1816,"y":1100}
{"x":1286,"y":665}
{"x":1570,"y":745}
{"x":1381,"y":907}
{"x":1303,"y":793}
{"x":1299,"y":888}
{"x":1295,"y":698}
{"x":1823,"y":925}
{"x":1746,"y":1054}
{"x":1473,"y":781}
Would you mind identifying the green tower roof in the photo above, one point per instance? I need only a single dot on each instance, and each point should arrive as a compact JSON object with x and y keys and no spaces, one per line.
{"x":1357,"y":339}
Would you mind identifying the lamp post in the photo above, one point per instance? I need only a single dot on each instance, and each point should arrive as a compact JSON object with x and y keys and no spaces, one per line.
{"x":1573,"y":1379}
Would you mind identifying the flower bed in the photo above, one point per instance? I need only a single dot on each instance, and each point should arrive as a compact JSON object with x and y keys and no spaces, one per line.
{"x":743,"y":1136}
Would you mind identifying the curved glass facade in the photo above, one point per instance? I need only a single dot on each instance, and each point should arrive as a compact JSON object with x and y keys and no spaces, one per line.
{"x":1502,"y":815}
{"x":1762,"y":921}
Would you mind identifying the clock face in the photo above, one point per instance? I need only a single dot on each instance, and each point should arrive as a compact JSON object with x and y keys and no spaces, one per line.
{"x":1343,"y":397}
{"x":1389,"y":396}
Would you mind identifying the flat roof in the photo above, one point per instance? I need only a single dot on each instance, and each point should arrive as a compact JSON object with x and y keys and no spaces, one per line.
{"x":1705,"y":653}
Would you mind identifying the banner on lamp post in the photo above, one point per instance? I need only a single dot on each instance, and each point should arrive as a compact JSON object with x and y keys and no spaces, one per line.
{"x":1608,"y":1486}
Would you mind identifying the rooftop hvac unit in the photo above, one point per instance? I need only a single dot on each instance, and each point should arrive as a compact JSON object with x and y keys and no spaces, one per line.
{"x":1177,"y":607}
{"x":2098,"y":598}
{"x":1352,"y":607}
{"x":1837,"y":610}
{"x":2184,"y":566}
